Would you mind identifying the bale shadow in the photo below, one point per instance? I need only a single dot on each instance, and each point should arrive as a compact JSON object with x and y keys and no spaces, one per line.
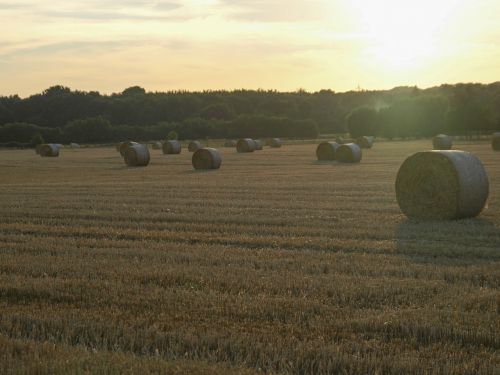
{"x":457,"y":242}
{"x":200,"y":171}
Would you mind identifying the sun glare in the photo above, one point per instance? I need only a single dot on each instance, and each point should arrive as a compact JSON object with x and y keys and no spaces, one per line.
{"x":400,"y":34}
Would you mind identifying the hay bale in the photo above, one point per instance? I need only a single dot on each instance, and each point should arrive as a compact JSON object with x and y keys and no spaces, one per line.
{"x":365,"y":142}
{"x":74,"y":145}
{"x":172,"y":147}
{"x":441,"y":142}
{"x":194,"y":145}
{"x":442,"y":185}
{"x":348,"y":153}
{"x":245,"y":145}
{"x":49,"y":150}
{"x":125,"y":145}
{"x":495,"y":141}
{"x":275,"y":142}
{"x":259,"y":145}
{"x":230,"y":143}
{"x":156,"y":145}
{"x":326,"y":151}
{"x":136,"y":156}
{"x":206,"y":158}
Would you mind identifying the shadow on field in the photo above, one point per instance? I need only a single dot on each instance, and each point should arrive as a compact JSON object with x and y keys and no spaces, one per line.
{"x":334,"y":163}
{"x":466,"y":241}
{"x":200,"y":171}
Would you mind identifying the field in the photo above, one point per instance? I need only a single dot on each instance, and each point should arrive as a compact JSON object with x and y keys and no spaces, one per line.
{"x":275,"y":263}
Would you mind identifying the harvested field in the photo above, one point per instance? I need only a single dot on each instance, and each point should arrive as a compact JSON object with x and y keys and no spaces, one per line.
{"x":273,"y":263}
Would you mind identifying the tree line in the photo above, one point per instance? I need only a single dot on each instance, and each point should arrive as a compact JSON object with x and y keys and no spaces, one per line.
{"x":62,"y":115}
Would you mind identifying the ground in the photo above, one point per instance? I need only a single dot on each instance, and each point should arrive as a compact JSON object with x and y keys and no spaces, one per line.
{"x":275,"y":263}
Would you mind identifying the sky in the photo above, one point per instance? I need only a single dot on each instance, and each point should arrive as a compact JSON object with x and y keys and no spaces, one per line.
{"x":286,"y":45}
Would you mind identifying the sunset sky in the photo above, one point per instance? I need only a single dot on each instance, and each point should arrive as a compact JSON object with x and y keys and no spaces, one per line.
{"x":108,"y":45}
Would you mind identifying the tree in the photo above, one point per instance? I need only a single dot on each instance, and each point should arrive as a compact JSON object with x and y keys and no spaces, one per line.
{"x":362,"y":121}
{"x":172,"y":135}
{"x":89,"y":130}
{"x":36,"y":140}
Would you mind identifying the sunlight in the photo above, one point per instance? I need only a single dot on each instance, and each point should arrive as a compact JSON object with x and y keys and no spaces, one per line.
{"x":403,"y":34}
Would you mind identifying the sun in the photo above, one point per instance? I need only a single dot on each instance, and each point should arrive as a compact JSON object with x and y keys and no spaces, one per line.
{"x":401,"y":34}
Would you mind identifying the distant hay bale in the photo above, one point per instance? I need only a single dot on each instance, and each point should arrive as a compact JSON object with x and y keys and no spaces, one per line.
{"x":442,"y":185}
{"x":49,"y":150}
{"x":172,"y":147}
{"x":156,"y":145}
{"x":124,"y":145}
{"x":441,"y":142}
{"x":348,"y":153}
{"x":495,"y":141}
{"x":275,"y":142}
{"x":137,"y":156}
{"x":74,"y":145}
{"x":365,"y":142}
{"x":230,"y":143}
{"x":194,"y":145}
{"x":343,"y":141}
{"x":245,"y":145}
{"x":259,"y":145}
{"x":326,"y":151}
{"x":206,"y":158}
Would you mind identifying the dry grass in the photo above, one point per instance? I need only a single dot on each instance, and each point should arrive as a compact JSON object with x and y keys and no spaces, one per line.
{"x":275,"y":263}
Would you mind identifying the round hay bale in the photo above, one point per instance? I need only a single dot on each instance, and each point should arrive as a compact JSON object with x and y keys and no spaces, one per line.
{"x":245,"y":145}
{"x":137,"y":156}
{"x":441,"y":142}
{"x":365,"y":142}
{"x":125,"y":145}
{"x":442,"y":185}
{"x":348,"y":153}
{"x":326,"y":151}
{"x":74,"y":145}
{"x":194,"y":145}
{"x":275,"y":143}
{"x":172,"y":147}
{"x":49,"y":150}
{"x":495,"y":142}
{"x":230,"y":143}
{"x":206,"y":158}
{"x":156,"y":145}
{"x":259,"y":145}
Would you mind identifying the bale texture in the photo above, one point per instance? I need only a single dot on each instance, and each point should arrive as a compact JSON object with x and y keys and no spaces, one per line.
{"x":172,"y":147}
{"x":245,"y":145}
{"x":194,"y":145}
{"x":495,"y":142}
{"x":259,"y":145}
{"x":438,"y":185}
{"x":275,"y":142}
{"x":49,"y":150}
{"x":441,"y":142}
{"x":365,"y":142}
{"x":230,"y":143}
{"x":206,"y":158}
{"x":125,"y":145}
{"x":137,"y":156}
{"x":348,"y":153}
{"x":326,"y":151}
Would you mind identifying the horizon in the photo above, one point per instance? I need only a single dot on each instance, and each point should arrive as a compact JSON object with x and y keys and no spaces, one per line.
{"x":213,"y":45}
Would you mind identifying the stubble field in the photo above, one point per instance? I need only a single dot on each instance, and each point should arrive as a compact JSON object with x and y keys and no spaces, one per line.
{"x":275,"y":263}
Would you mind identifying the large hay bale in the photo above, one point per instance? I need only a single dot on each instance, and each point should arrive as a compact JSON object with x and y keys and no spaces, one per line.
{"x":442,"y":185}
{"x":125,"y":145}
{"x":137,"y":156}
{"x":194,"y":145}
{"x":495,"y":141}
{"x":348,"y":153}
{"x":441,"y":142}
{"x":156,"y":145}
{"x":230,"y":143}
{"x":275,"y":142}
{"x":49,"y":150}
{"x":206,"y":158}
{"x":326,"y":151}
{"x":245,"y":145}
{"x":365,"y":142}
{"x":259,"y":145}
{"x":172,"y":147}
